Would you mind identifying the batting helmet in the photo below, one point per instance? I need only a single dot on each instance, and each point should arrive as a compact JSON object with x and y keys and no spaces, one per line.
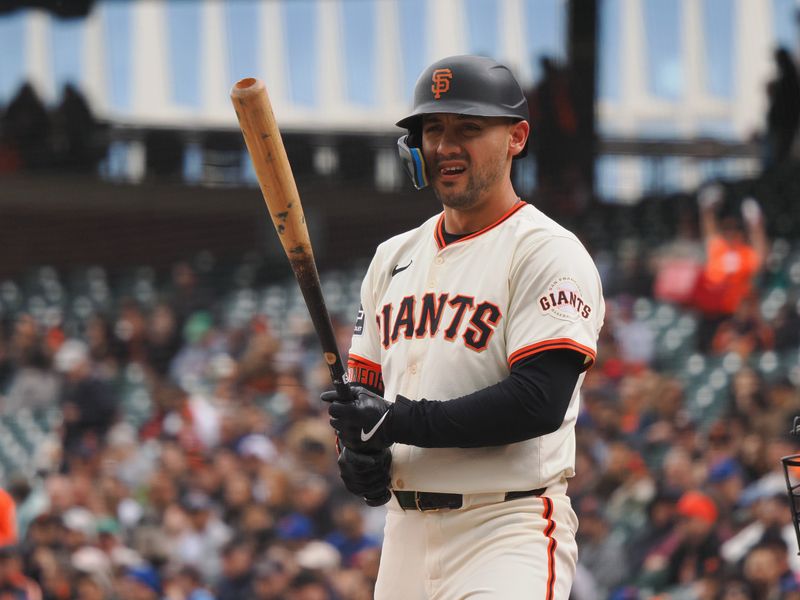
{"x":464,"y":85}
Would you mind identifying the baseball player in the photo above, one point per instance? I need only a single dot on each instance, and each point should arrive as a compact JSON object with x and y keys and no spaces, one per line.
{"x":475,"y":333}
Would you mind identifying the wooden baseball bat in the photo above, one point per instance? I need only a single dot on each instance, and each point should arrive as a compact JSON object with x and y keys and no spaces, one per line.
{"x":265,"y":146}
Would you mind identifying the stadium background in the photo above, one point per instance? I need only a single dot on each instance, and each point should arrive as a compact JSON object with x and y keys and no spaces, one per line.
{"x":160,"y":430}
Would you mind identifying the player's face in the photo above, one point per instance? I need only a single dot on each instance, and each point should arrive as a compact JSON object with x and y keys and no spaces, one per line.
{"x":467,"y":157}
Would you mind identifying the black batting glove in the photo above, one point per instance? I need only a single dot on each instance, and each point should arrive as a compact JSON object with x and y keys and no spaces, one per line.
{"x":366,"y":475}
{"x":363,"y":422}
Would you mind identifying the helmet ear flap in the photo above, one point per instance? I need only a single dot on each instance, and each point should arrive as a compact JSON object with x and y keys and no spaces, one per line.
{"x":414,"y":137}
{"x":408,"y":147}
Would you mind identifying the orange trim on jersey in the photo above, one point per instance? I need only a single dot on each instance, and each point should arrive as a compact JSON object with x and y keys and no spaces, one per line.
{"x":556,"y":344}
{"x":439,"y":231}
{"x":355,"y":358}
{"x":549,"y":530}
{"x":365,"y":372}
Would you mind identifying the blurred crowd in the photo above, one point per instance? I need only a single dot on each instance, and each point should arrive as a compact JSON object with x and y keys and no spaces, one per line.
{"x":225,"y":488}
{"x":681,"y":494}
{"x":223,"y":484}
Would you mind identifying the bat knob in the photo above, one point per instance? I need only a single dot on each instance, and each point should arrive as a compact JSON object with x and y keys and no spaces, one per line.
{"x":379,"y":500}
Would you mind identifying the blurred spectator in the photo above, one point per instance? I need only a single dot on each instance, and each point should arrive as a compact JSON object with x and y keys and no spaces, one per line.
{"x":75,"y":131}
{"x":270,"y":580}
{"x":100,"y":340}
{"x":308,"y":585}
{"x":319,"y":556}
{"x":202,"y":538}
{"x":190,"y":420}
{"x":786,"y":326}
{"x":8,"y":519}
{"x":783,"y":113}
{"x":311,"y":499}
{"x":91,"y":587}
{"x":748,"y":399}
{"x":736,"y":588}
{"x":583,"y":585}
{"x":88,"y":404}
{"x":554,"y":139}
{"x":187,"y":584}
{"x":770,"y":518}
{"x":34,"y":385}
{"x":140,"y":583}
{"x":201,"y":343}
{"x":129,"y":333}
{"x":736,"y":247}
{"x":726,"y":482}
{"x":162,"y":341}
{"x":677,"y":263}
{"x":291,"y":402}
{"x":349,"y":537}
{"x":188,"y":294}
{"x":627,"y":506}
{"x":767,"y":570}
{"x":744,"y":332}
{"x":657,"y":529}
{"x":630,"y":274}
{"x":601,"y":548}
{"x":27,"y":128}
{"x":783,"y":404}
{"x":30,"y":501}
{"x":256,"y":370}
{"x":13,"y":582}
{"x":696,"y":554}
{"x":110,"y":542}
{"x":6,"y":366}
{"x":635,"y":339}
{"x":237,"y":571}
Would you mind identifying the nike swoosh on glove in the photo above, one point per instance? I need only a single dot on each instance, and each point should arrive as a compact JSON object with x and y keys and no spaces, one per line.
{"x":363,"y":422}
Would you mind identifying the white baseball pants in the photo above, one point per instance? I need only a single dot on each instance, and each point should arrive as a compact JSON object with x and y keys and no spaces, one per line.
{"x":515,"y":550}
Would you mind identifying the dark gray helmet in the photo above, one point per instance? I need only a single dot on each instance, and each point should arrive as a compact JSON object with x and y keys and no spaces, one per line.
{"x":467,"y":85}
{"x":463,"y":85}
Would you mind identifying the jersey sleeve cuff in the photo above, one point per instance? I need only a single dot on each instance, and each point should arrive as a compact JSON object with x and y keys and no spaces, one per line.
{"x":555,"y":344}
{"x":366,"y":373}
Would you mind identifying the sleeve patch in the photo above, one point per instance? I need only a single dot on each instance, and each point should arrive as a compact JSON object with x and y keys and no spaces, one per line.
{"x":359,"y":328}
{"x":564,"y":300}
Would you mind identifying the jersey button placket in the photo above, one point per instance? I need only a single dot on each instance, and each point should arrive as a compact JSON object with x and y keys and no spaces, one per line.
{"x":433,"y":271}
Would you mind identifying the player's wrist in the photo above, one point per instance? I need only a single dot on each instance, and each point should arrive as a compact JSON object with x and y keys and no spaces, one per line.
{"x":398,"y":426}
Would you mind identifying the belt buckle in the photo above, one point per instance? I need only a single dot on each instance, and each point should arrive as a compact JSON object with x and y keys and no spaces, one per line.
{"x":420,"y":508}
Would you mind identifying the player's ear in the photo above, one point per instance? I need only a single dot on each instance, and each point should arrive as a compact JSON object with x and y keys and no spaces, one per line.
{"x":518,"y":136}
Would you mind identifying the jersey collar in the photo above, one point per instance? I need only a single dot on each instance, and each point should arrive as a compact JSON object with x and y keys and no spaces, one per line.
{"x":438,"y":232}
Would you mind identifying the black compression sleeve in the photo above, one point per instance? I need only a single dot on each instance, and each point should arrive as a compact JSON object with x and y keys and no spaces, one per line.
{"x":530,"y":402}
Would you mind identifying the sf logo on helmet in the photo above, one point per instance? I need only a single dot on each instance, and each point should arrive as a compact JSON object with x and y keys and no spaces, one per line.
{"x":441,"y":82}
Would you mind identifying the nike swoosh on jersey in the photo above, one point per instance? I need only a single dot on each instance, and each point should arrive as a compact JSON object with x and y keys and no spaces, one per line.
{"x":398,"y":269}
{"x":365,"y":437}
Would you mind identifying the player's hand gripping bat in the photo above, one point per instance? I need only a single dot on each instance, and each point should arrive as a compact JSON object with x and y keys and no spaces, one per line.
{"x":264,"y":143}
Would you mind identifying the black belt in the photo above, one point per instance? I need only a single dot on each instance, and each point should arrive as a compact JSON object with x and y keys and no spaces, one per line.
{"x":425,"y":501}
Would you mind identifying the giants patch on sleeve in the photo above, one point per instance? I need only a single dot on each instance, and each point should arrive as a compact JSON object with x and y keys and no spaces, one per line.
{"x":359,"y":328}
{"x":563,"y":300}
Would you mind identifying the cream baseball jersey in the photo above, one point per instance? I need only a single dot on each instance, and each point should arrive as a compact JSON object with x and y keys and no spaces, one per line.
{"x":439,"y":321}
